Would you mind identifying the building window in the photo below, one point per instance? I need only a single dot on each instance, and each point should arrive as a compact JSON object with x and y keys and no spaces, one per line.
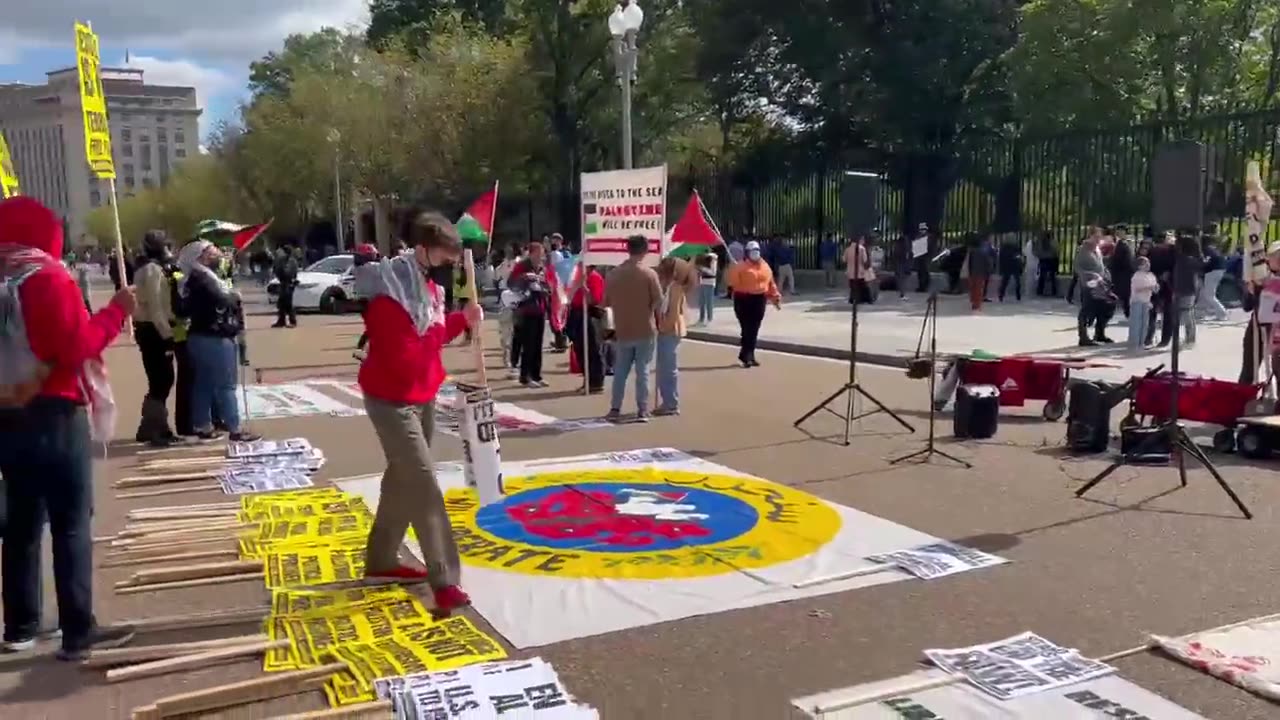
{"x":144,"y":137}
{"x":128,"y":181}
{"x":179,"y":137}
{"x":128,"y":150}
{"x":95,"y":197}
{"x":180,"y":153}
{"x":146,"y":157}
{"x":126,"y":134}
{"x":162,"y":135}
{"x":128,"y":168}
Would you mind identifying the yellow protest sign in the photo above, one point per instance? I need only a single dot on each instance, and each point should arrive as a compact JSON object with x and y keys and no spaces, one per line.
{"x":384,"y":616}
{"x":8,"y":176}
{"x":311,"y":508}
{"x":253,"y":549}
{"x":308,"y":602}
{"x":254,"y":503}
{"x":451,"y":643}
{"x":343,"y":689}
{"x":93,"y":102}
{"x":314,"y":566}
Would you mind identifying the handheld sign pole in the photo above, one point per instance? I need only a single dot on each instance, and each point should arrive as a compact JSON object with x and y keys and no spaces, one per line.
{"x":482,"y":459}
{"x":97,"y":132}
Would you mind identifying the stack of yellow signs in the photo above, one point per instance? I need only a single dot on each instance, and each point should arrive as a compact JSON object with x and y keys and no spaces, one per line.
{"x":316,"y":537}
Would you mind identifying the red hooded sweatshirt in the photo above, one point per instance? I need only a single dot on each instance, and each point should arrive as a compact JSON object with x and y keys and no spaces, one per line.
{"x":61,"y":332}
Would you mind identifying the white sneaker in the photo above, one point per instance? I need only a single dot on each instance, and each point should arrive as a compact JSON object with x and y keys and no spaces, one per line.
{"x":513,"y":374}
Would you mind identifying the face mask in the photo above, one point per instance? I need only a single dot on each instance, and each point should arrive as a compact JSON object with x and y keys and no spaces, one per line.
{"x":754,"y":254}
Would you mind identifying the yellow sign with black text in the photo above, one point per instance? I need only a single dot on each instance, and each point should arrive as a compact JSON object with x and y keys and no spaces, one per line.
{"x":97,"y":132}
{"x":8,"y":176}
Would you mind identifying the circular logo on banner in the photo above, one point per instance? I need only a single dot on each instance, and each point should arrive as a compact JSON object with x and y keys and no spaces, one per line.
{"x":640,"y":523}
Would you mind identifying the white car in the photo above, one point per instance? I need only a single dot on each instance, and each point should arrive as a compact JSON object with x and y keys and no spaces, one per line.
{"x":327,"y":285}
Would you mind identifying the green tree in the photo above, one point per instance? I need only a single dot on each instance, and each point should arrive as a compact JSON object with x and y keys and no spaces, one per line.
{"x":390,"y":20}
{"x":326,"y":50}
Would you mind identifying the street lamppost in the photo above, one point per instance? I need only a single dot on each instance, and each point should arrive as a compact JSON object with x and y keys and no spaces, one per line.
{"x":624,"y":25}
{"x":334,"y":138}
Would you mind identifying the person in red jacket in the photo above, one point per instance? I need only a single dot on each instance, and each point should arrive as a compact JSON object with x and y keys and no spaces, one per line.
{"x":45,"y":437}
{"x":400,"y":376}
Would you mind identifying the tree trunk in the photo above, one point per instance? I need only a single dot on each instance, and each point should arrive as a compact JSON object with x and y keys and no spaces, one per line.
{"x":382,"y":224}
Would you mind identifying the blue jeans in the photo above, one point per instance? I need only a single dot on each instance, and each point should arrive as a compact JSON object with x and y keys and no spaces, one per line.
{"x":706,"y":303}
{"x":214,"y":361}
{"x":1139,"y":320}
{"x":629,"y":355}
{"x":669,"y":371}
{"x":48,"y":474}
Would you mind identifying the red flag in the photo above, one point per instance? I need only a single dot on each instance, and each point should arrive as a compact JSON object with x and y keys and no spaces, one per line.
{"x":693,"y":235}
{"x":243,"y":237}
{"x":475,"y":227}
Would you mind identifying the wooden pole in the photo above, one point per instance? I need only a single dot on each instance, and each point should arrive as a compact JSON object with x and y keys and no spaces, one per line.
{"x":125,"y":656}
{"x":126,"y":561}
{"x":169,"y":491}
{"x":375,"y":709}
{"x":193,"y":621}
{"x":199,"y":582}
{"x":477,"y":342}
{"x":197,"y":660}
{"x":272,"y":686}
{"x":146,"y":480}
{"x":194,"y":572}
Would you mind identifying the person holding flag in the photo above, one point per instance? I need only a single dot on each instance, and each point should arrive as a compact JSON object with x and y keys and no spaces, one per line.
{"x":586,"y":313}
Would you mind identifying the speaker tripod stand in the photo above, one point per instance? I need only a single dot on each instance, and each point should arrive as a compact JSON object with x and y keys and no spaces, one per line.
{"x":925,"y":454}
{"x":1172,"y":431}
{"x":852,"y":390}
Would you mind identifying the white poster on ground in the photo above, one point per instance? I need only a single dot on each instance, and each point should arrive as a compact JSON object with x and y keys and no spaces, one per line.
{"x":1024,"y":664}
{"x":289,"y":400}
{"x":1247,"y":656}
{"x":1105,"y":697}
{"x":522,"y":689}
{"x":938,"y":559}
{"x":618,"y":204}
{"x":240,"y":481}
{"x":593,"y":544}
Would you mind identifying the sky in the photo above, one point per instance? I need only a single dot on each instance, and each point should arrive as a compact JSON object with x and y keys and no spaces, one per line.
{"x":207,"y":44}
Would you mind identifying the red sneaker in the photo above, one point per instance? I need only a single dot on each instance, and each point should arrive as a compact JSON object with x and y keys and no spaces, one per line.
{"x":448,"y":599}
{"x":402,"y":573}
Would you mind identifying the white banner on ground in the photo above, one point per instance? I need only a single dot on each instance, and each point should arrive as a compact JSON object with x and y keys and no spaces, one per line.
{"x":481,"y":454}
{"x":290,"y":400}
{"x":1247,"y":656}
{"x":265,"y":448}
{"x":509,"y":418}
{"x":256,"y":479}
{"x":593,"y":544}
{"x":1024,"y":664}
{"x":1105,"y":697}
{"x":524,"y":689}
{"x":618,"y":204}
{"x":938,"y":559}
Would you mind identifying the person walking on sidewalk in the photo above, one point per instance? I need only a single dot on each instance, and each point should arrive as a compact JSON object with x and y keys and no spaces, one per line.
{"x":400,"y":377}
{"x":1090,"y":273}
{"x":707,"y":271}
{"x":533,"y":280}
{"x":1215,"y":268}
{"x":633,"y":293}
{"x":1141,"y":286}
{"x":587,"y":297}
{"x":828,"y":258}
{"x":753,"y":290}
{"x":1011,"y":265}
{"x":54,"y":403}
{"x":978,"y":263}
{"x":784,"y":257}
{"x":153,"y":321}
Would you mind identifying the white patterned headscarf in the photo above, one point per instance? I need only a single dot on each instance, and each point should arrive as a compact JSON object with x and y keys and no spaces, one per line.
{"x":403,"y":279}
{"x":189,"y":262}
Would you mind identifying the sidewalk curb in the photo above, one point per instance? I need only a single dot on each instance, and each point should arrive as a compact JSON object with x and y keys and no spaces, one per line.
{"x":794,"y":348}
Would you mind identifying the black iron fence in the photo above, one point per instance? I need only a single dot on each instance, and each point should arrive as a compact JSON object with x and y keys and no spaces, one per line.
{"x":1024,"y":185}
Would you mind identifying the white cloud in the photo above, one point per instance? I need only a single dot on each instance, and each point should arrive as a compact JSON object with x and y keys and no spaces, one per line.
{"x":207,"y":81}
{"x":225,"y":32}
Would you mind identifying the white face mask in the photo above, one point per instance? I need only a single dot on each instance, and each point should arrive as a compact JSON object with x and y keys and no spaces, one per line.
{"x":754,"y":254}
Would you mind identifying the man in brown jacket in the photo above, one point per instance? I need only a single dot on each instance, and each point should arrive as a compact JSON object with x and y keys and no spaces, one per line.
{"x":677,"y":280}
{"x":633,"y":293}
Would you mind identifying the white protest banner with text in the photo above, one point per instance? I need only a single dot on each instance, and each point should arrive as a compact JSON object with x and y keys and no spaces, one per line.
{"x":291,"y":400}
{"x":1247,"y":656}
{"x":938,"y":559}
{"x":619,"y":204}
{"x":1021,"y":665}
{"x":1105,"y":697}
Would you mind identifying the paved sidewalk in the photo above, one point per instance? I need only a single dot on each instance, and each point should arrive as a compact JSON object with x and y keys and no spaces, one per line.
{"x":818,"y":324}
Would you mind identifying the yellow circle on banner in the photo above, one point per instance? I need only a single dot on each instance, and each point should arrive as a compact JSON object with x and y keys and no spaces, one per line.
{"x":639,"y":523}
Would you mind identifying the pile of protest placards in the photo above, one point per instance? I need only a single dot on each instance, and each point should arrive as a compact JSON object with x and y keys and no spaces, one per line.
{"x":519,"y":688}
{"x":245,"y":467}
{"x":938,"y":559}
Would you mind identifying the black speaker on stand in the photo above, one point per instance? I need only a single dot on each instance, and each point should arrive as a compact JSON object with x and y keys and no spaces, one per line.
{"x":860,"y":201}
{"x":1178,"y":201}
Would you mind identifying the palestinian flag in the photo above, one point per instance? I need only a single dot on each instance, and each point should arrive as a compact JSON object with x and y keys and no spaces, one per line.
{"x":475,"y":227}
{"x":693,"y":234}
{"x":226,"y":234}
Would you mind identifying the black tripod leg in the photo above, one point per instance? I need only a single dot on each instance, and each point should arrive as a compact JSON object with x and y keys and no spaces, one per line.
{"x":1100,"y":477}
{"x":882,"y":408}
{"x":820,"y":406}
{"x":1195,"y":452}
{"x":952,"y":458}
{"x":1182,"y":461}
{"x":848,"y":416}
{"x":909,"y":456}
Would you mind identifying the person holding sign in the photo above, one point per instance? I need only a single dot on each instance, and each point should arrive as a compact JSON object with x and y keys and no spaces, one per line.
{"x":400,"y":376}
{"x":54,"y":401}
{"x":753,"y":288}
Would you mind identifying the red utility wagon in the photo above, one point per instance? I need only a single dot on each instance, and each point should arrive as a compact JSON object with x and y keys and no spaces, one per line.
{"x":1022,"y":378}
{"x":1200,"y":399}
